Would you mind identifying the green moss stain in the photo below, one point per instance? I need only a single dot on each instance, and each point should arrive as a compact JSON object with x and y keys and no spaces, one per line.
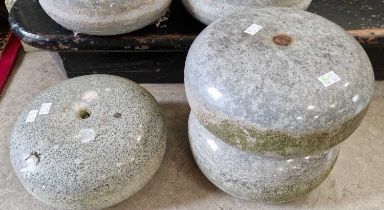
{"x":282,"y":144}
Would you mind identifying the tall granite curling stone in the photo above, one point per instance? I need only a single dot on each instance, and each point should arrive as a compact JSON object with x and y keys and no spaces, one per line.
{"x":88,"y":142}
{"x":252,"y":177}
{"x":278,"y":82}
{"x":105,"y":17}
{"x":208,"y":11}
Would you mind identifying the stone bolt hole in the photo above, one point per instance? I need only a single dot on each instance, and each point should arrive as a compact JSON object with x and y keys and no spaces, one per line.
{"x":282,"y":40}
{"x":117,"y":115}
{"x":34,"y":158}
{"x":83,"y":114}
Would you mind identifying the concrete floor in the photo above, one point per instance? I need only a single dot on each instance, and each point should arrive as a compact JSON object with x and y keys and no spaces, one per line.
{"x":356,"y":182}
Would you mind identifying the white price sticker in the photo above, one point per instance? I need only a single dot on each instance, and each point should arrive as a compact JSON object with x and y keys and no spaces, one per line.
{"x":329,"y":79}
{"x":253,"y":29}
{"x":32,"y":116}
{"x":44,"y":109}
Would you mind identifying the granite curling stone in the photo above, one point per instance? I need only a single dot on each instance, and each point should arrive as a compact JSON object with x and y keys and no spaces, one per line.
{"x":249,"y":176}
{"x":105,"y":17}
{"x":88,"y":142}
{"x":207,"y":11}
{"x":278,"y":82}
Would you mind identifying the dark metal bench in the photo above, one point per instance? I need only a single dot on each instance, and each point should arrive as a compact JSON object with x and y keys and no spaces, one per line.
{"x":156,"y":54}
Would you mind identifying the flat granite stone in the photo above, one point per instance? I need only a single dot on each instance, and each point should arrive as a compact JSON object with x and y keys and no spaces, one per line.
{"x":252,"y":177}
{"x":95,"y":141}
{"x":105,"y":17}
{"x":207,"y":11}
{"x":300,"y":85}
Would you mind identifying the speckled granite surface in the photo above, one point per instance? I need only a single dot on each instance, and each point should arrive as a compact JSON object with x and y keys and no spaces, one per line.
{"x":104,"y":17}
{"x":356,"y":182}
{"x":253,"y":177}
{"x":298,"y":85}
{"x":208,"y":11}
{"x":88,"y":142}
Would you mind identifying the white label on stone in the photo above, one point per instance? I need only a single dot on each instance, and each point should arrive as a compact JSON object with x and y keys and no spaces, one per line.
{"x":86,"y":135}
{"x":32,"y":116}
{"x":253,"y":29}
{"x":329,"y":79}
{"x":45,"y":108}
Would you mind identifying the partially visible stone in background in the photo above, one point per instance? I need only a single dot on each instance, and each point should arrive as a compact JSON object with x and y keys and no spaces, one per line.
{"x":207,"y":11}
{"x":9,"y":4}
{"x":27,"y":48}
{"x":104,"y":18}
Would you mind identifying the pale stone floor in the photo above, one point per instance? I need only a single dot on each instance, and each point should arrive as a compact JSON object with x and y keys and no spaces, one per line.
{"x":357,"y":181}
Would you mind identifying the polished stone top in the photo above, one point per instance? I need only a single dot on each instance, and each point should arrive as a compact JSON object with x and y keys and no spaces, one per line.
{"x":278,"y":81}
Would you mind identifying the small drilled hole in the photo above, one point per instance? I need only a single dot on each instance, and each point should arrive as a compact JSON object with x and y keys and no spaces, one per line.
{"x":117,"y":115}
{"x":83,"y":114}
{"x":282,"y":40}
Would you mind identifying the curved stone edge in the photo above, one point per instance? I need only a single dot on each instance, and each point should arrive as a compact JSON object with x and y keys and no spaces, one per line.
{"x":281,"y":143}
{"x":269,"y":197}
{"x":275,"y":143}
{"x":109,"y":25}
{"x":87,"y":201}
{"x":291,"y":193}
{"x":207,"y":13}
